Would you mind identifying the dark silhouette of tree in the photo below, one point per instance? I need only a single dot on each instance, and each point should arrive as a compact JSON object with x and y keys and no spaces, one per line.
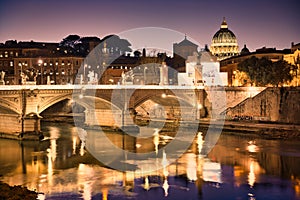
{"x":70,"y":41}
{"x":115,"y":45}
{"x":263,"y":72}
{"x":137,"y":54}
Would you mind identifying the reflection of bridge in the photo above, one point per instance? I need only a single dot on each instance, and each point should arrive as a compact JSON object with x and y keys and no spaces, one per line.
{"x":21,"y":107}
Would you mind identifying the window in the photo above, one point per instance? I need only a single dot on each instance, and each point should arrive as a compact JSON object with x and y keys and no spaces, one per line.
{"x":11,"y":63}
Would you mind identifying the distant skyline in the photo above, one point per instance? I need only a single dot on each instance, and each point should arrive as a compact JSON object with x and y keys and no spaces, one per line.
{"x":256,"y":23}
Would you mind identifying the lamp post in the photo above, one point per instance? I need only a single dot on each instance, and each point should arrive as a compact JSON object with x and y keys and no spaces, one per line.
{"x":85,"y":65}
{"x":234,"y":78}
{"x":40,"y":62}
{"x":297,"y":63}
{"x":145,"y":75}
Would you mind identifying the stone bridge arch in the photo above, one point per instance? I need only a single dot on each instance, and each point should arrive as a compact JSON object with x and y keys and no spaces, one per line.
{"x":175,"y":104}
{"x":11,"y":105}
{"x":50,"y":101}
{"x":99,"y":111}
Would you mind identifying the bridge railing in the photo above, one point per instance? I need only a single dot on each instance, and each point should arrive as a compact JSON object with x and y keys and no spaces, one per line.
{"x":57,"y":87}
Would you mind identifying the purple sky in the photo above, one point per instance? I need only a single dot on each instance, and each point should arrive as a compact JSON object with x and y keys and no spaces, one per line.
{"x":257,"y":23}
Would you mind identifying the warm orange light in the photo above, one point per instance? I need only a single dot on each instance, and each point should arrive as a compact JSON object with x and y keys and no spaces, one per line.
{"x":104,"y":194}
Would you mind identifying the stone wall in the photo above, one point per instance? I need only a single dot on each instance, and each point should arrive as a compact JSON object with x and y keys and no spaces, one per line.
{"x":10,"y":123}
{"x":218,"y":99}
{"x":272,"y":104}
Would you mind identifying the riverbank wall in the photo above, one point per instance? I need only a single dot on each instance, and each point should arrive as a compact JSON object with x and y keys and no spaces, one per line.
{"x":274,"y":104}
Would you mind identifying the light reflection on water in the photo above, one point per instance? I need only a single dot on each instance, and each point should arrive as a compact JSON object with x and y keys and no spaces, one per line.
{"x":236,"y":168}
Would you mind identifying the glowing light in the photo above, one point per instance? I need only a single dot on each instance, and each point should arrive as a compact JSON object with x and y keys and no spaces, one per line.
{"x":163,"y":95}
{"x":54,"y":135}
{"x":74,"y":139}
{"x":85,"y":180}
{"x":252,"y":148}
{"x":251,"y":175}
{"x":191,"y":168}
{"x":165,"y":163}
{"x":200,"y":106}
{"x":211,"y":172}
{"x":104,"y":194}
{"x":82,"y":148}
{"x":200,"y":142}
{"x":166,"y":187}
{"x":146,"y":186}
{"x":138,"y":145}
{"x":156,"y":141}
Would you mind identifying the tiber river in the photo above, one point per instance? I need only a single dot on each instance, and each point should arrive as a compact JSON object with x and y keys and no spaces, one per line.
{"x":237,"y":167}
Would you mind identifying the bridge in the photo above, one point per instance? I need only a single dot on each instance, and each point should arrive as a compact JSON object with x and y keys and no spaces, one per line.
{"x":22,"y":106}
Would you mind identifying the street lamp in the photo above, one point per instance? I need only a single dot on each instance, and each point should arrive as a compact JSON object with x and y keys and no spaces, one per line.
{"x":145,"y":75}
{"x":40,"y":62}
{"x":234,"y":78}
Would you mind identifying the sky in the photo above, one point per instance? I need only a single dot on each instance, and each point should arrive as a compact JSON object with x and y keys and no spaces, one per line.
{"x":256,"y":23}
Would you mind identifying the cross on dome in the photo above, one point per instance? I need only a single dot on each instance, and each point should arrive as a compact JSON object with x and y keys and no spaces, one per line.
{"x":224,"y":23}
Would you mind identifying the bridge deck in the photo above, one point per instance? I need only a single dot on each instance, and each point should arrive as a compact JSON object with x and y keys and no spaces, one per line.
{"x":68,"y":87}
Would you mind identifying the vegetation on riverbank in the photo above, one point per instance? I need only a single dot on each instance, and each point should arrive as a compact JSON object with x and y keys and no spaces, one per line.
{"x":16,"y":192}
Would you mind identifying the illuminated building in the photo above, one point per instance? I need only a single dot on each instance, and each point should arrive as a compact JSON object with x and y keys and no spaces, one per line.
{"x":224,"y":43}
{"x":202,"y":69}
{"x":230,"y":65}
{"x":58,"y":70}
{"x":294,"y":59}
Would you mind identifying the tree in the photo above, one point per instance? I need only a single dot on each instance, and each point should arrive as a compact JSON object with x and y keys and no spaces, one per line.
{"x":263,"y":72}
{"x":70,"y":41}
{"x":116,"y":45}
{"x":137,"y":54}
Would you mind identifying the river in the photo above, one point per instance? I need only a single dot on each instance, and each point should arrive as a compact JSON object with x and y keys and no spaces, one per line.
{"x":238,"y":167}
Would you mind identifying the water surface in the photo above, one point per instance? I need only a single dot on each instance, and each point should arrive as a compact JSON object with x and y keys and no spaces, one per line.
{"x":237,"y":167}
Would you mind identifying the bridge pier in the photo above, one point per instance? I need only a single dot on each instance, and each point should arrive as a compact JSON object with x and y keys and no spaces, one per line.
{"x":114,"y":119}
{"x":15,"y":126}
{"x":101,"y":117}
{"x":31,"y":124}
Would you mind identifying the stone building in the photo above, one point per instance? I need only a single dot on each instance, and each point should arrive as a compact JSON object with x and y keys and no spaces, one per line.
{"x":294,"y":59}
{"x":44,"y":60}
{"x":181,"y":51}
